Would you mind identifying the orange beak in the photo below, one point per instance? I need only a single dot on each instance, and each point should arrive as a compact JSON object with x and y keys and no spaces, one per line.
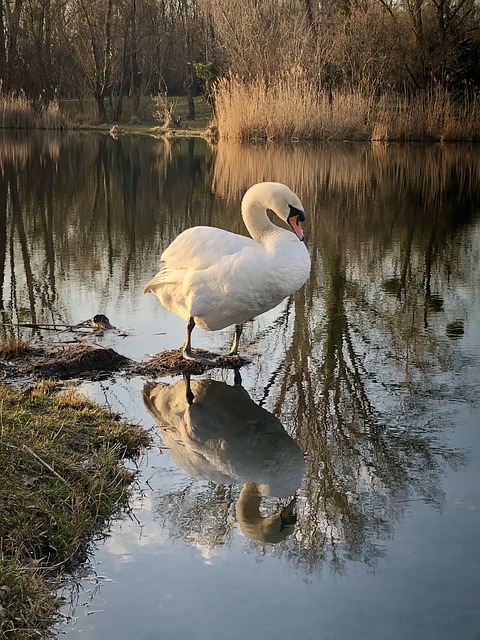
{"x":294,"y":222}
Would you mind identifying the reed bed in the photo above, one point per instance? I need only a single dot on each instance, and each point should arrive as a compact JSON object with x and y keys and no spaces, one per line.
{"x":288,"y":107}
{"x":17,"y":112}
{"x":431,"y":115}
{"x":293,"y":107}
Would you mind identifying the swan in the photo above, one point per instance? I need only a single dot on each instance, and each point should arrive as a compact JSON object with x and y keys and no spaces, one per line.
{"x":221,"y":435}
{"x":213,"y":278}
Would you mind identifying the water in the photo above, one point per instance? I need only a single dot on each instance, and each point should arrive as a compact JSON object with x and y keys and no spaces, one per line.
{"x":362,"y":398}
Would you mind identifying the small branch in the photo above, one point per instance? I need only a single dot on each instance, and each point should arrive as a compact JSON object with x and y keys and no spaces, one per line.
{"x":45,"y":464}
{"x":32,"y":325}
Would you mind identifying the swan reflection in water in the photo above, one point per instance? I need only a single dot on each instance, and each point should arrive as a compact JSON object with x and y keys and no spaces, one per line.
{"x":216,"y":432}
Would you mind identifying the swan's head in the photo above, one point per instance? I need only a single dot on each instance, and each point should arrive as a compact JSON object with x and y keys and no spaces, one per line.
{"x":281,"y":200}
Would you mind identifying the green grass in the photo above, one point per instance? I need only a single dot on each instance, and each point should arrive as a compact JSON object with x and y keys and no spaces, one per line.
{"x":63,"y":477}
{"x":145,"y":122}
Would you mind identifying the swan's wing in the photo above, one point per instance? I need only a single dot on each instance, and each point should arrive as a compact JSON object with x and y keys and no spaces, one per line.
{"x":201,"y":247}
{"x":196,"y":250}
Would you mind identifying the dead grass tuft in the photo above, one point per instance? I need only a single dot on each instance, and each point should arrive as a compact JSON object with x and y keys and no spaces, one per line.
{"x":17,"y":112}
{"x":19,"y":359}
{"x":12,"y":347}
{"x":52,"y":118}
{"x":292,"y":107}
{"x":172,"y":362}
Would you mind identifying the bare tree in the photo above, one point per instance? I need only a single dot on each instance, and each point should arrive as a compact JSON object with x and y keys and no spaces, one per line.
{"x":11,"y":12}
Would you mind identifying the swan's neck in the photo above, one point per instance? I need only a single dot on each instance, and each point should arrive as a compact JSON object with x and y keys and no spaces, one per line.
{"x":256,"y":219}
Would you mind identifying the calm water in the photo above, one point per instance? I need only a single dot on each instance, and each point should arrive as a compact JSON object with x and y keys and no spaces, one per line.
{"x":362,"y":399}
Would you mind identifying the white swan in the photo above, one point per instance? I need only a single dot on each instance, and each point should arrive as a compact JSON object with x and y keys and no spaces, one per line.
{"x":223,"y":436}
{"x":214,"y":278}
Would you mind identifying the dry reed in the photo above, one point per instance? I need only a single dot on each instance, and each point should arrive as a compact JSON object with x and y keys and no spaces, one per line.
{"x":17,"y":112}
{"x":52,"y":118}
{"x":288,"y":107}
{"x":291,"y":106}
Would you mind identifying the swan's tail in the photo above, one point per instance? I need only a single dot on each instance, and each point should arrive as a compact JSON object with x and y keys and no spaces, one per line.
{"x":164,"y":276}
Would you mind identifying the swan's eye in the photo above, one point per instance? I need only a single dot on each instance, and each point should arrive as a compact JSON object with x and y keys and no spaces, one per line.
{"x":296,"y":212}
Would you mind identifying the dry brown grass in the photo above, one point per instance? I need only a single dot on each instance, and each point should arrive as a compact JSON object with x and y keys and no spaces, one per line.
{"x":173,"y":362}
{"x":52,"y":118}
{"x":17,"y":112}
{"x":21,"y":360}
{"x":13,"y":347}
{"x":293,"y":107}
{"x":288,"y":107}
{"x":432,"y":115}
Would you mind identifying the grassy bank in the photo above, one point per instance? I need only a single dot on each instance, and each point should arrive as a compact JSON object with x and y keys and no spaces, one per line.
{"x":293,"y":107}
{"x":61,"y":478}
{"x":151,"y":119}
{"x":288,"y":107}
{"x":17,"y":112}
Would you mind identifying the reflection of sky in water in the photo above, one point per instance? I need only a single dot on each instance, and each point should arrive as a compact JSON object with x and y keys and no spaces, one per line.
{"x":161,"y":583}
{"x":358,"y":368}
{"x":261,"y":591}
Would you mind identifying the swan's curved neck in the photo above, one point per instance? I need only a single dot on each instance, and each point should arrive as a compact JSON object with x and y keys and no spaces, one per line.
{"x":256,"y":220}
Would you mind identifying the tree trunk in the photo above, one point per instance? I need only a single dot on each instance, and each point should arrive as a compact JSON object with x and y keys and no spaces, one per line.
{"x":136,"y":83}
{"x":191,"y":103}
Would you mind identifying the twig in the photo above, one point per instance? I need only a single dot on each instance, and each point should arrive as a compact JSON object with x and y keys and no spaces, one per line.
{"x":32,"y":325}
{"x":45,"y":464}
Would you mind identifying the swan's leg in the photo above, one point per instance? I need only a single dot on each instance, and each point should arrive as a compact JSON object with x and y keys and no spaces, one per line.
{"x":236,"y":339}
{"x":237,"y":378}
{"x":188,"y":389}
{"x":187,"y":347}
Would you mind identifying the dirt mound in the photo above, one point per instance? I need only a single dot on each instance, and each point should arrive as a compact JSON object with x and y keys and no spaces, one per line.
{"x":172,"y":362}
{"x":86,"y":361}
{"x":71,"y":361}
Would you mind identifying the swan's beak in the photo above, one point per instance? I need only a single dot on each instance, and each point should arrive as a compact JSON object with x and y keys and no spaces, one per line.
{"x":296,"y":224}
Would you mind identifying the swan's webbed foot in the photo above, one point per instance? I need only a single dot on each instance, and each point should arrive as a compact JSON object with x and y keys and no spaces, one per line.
{"x":188,"y":354}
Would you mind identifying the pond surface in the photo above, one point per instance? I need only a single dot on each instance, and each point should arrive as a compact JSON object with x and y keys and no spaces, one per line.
{"x":332,"y":493}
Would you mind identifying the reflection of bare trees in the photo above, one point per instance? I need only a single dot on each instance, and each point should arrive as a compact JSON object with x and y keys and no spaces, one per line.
{"x":355,"y":376}
{"x":201,"y":514}
{"x":219,"y":434}
{"x":93,"y":209}
{"x":387,"y":242}
{"x":363,"y":463}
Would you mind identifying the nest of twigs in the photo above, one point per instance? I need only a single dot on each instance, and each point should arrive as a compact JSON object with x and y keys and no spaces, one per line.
{"x":63,"y":363}
{"x":79,"y":360}
{"x":172,"y":361}
{"x":82,"y":360}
